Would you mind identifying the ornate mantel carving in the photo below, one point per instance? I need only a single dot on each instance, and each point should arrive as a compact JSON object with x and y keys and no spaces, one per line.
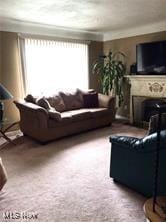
{"x":148,"y":86}
{"x":156,"y":87}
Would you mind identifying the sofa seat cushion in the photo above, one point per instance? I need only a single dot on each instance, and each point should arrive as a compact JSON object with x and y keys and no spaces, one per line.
{"x":98,"y":112}
{"x":53,"y":114}
{"x":80,"y":114}
{"x":66,"y":119}
{"x":69,"y":117}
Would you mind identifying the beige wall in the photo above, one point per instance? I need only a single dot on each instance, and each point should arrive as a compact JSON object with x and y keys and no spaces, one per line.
{"x":10,"y":72}
{"x":0,"y":56}
{"x":95,"y":49}
{"x":128,"y":46}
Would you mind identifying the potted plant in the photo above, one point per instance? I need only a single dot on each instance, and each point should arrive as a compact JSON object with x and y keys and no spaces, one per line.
{"x":111,"y":69}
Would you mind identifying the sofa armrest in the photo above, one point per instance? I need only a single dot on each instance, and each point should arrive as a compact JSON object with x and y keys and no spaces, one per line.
{"x":32,"y":114}
{"x":106,"y":101}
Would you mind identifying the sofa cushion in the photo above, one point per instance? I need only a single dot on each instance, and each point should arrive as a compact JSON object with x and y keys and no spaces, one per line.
{"x":66,"y":119}
{"x":98,"y":112}
{"x":31,"y":99}
{"x":80,"y":114}
{"x":90,"y":100}
{"x":43,"y":103}
{"x":72,"y":100}
{"x":56,"y":101}
{"x":53,"y":114}
{"x":71,"y":116}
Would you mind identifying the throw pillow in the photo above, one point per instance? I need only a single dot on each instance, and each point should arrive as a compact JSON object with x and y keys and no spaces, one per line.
{"x":81,"y":92}
{"x":153,"y":124}
{"x":57,"y":102}
{"x":72,"y":100}
{"x":43,"y":103}
{"x":91,"y":100}
{"x":29,"y":98}
{"x":53,"y":114}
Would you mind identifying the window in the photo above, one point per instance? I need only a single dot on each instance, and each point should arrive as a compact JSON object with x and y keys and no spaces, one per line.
{"x":55,"y":65}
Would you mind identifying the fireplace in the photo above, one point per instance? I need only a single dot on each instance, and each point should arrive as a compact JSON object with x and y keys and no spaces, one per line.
{"x":145,"y":91}
{"x":148,"y":108}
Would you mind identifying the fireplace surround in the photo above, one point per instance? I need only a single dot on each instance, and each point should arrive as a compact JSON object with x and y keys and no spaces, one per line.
{"x":144,"y":88}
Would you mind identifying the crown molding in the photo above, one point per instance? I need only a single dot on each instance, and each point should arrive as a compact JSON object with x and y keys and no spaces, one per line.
{"x":11,"y":25}
{"x":138,"y":30}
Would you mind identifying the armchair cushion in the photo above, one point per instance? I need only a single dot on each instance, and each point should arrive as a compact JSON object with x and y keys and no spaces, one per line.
{"x":125,"y":141}
{"x":145,"y":145}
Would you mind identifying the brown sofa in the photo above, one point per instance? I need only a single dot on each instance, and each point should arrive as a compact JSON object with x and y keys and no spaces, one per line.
{"x":77,"y":112}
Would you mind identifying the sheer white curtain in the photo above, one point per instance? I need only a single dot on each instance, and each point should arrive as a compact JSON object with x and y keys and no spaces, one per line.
{"x":54,"y":65}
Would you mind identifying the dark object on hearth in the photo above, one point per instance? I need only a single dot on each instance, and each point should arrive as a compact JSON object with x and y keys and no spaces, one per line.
{"x":132,"y":162}
{"x":149,"y":108}
{"x":133,"y":69}
{"x":4,"y":95}
{"x":153,"y":123}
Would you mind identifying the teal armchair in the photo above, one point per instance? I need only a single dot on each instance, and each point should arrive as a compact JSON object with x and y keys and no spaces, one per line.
{"x":133,"y":162}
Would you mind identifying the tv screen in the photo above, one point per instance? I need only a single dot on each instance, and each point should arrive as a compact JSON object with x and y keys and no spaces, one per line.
{"x":151,"y":58}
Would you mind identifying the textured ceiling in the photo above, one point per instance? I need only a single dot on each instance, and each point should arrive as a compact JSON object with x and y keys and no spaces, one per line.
{"x":88,"y":15}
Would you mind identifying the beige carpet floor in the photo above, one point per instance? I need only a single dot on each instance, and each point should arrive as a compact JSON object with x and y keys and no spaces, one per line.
{"x":68,"y":180}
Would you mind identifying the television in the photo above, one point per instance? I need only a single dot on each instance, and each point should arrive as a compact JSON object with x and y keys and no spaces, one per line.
{"x":151,"y":58}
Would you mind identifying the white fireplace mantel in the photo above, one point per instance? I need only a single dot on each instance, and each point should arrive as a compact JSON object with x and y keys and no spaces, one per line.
{"x":148,"y":86}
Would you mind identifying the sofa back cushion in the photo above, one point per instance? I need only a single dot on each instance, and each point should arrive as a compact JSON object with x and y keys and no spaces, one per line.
{"x":43,"y":103}
{"x":72,"y":100}
{"x":65,"y":101}
{"x":90,"y":100}
{"x":31,"y":99}
{"x":56,"y":102}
